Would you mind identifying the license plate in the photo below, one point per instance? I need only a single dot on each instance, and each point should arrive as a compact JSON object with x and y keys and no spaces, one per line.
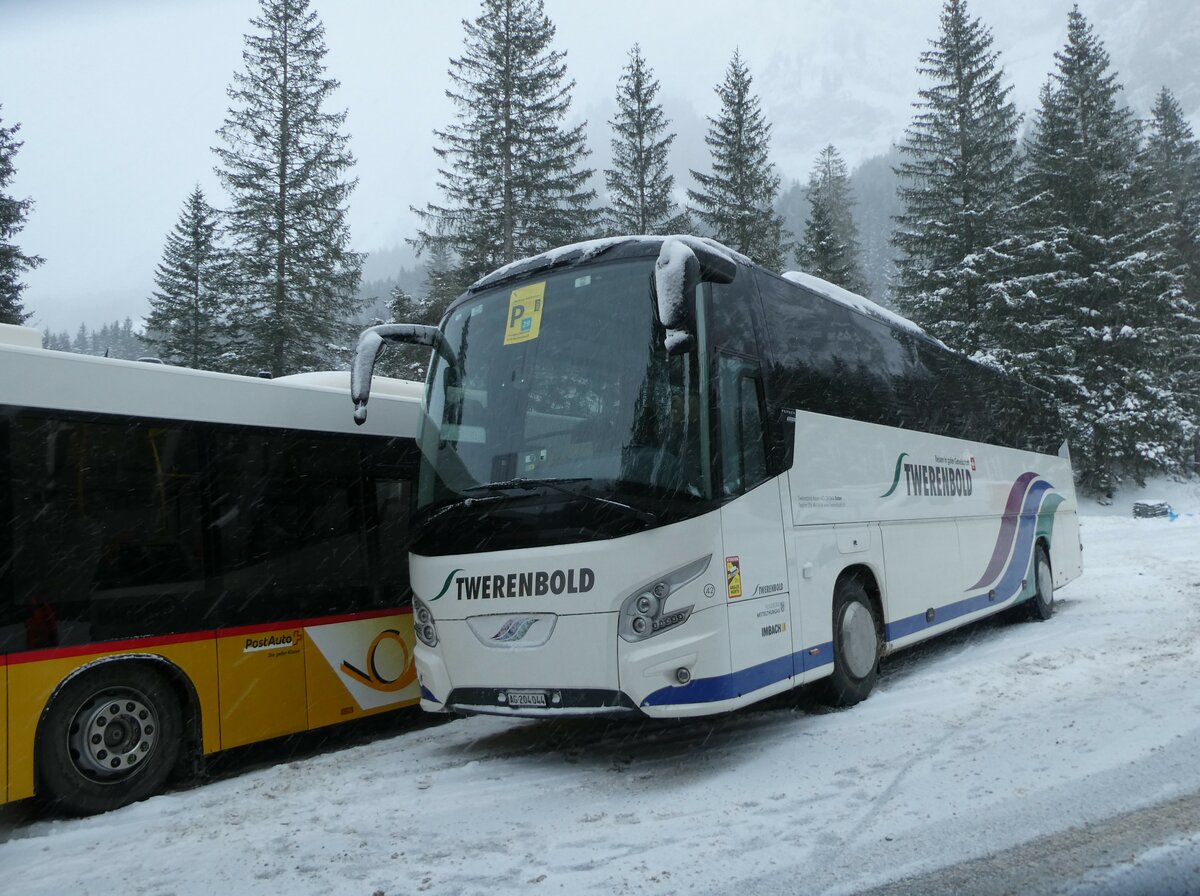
{"x":527,"y":698}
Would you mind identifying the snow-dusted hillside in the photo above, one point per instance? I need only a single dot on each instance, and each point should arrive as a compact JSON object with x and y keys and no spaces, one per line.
{"x":1007,"y":733}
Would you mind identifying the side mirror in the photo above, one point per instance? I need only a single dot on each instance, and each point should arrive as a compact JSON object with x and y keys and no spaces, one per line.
{"x":684,"y":262}
{"x":676,"y":276}
{"x":370,"y":344}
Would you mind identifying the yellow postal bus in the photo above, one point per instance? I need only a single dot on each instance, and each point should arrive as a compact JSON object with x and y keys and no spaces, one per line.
{"x":190,"y":561}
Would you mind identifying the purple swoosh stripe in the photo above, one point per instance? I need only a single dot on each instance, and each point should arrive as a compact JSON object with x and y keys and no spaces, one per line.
{"x":1015,"y":574}
{"x":1008,"y":528}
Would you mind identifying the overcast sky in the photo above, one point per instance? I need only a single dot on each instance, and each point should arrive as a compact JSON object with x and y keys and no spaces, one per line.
{"x":119,"y":101}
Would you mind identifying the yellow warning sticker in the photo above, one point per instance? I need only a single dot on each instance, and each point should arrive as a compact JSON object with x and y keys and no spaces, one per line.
{"x":525,"y":313}
{"x":733,"y":577}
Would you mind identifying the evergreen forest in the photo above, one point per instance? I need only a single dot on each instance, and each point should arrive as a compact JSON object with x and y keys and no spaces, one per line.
{"x":1062,"y":246}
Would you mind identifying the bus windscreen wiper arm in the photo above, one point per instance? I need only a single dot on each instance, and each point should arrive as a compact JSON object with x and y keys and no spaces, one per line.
{"x":529,"y":485}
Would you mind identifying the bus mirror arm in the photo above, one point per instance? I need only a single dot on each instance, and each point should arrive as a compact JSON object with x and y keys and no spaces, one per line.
{"x":683,"y":264}
{"x":676,"y":276}
{"x":370,"y":344}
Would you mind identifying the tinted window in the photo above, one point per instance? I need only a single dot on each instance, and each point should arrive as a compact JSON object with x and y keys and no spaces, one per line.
{"x":106,"y":533}
{"x":117,"y":530}
{"x":829,"y":359}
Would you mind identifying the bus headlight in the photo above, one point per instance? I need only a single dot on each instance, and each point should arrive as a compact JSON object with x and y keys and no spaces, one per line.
{"x":423,"y":626}
{"x":644,"y":613}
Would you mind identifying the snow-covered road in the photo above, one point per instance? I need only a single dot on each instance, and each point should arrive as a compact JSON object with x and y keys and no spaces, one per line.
{"x":990,"y":739}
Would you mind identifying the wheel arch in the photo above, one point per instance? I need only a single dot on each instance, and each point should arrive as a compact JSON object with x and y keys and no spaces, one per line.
{"x":1043,"y":541}
{"x":178,"y":680}
{"x":870,"y":582}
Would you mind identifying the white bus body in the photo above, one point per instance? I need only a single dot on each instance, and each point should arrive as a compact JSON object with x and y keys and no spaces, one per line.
{"x":812,"y":546}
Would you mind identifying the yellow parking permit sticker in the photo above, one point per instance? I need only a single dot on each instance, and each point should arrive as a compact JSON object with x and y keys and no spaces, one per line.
{"x":525,"y":313}
{"x":733,"y":577}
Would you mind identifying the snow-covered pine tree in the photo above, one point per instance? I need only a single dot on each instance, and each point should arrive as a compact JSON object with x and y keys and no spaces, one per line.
{"x":82,"y":343}
{"x":186,"y":323}
{"x":639,"y":183}
{"x":55,"y":341}
{"x":513,"y":183}
{"x":875,"y":186}
{"x":1086,"y":320}
{"x":285,"y":162}
{"x":13,"y":262}
{"x":736,"y":202}
{"x":1169,"y":187}
{"x":441,"y":286}
{"x":829,"y":248}
{"x":958,"y":176}
{"x":407,"y":362}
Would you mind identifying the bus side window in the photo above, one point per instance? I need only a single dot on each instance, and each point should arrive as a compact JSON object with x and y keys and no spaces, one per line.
{"x":743,"y":451}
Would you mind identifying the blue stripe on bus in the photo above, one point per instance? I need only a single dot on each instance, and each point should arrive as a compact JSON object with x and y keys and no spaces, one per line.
{"x":744,"y":681}
{"x":1016,"y":574}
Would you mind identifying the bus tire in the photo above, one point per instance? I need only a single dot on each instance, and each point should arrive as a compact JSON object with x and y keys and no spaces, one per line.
{"x":855,"y":646}
{"x":1041,"y":605}
{"x":110,"y":737}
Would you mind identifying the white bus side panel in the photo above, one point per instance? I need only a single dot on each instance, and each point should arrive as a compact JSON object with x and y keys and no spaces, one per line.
{"x":959,"y":522}
{"x":761,"y":628}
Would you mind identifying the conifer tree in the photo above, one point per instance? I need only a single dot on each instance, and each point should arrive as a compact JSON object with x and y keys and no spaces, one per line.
{"x":1169,"y":187}
{"x":82,"y":344}
{"x":285,"y":162}
{"x":186,"y":323}
{"x":958,"y":177}
{"x":1084,"y":309}
{"x":639,"y":184}
{"x":13,"y":211}
{"x":54,"y":341}
{"x":512,"y":184}
{"x":407,"y":362}
{"x":829,"y":248}
{"x":736,"y":202}
{"x":441,"y":286}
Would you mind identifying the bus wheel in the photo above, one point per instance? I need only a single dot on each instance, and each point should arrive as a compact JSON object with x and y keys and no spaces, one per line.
{"x":1041,"y":607}
{"x":111,"y":737}
{"x":855,"y":646}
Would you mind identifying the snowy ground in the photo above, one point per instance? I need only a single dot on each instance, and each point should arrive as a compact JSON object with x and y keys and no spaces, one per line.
{"x":995,"y":750}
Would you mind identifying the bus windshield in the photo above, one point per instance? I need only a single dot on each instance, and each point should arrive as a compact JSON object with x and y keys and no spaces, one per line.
{"x":564,"y":379}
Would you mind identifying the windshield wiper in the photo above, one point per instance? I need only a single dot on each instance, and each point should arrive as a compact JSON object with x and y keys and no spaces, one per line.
{"x":557,"y":483}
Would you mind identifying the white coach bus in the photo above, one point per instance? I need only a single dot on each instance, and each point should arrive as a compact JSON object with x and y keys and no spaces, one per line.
{"x":656,"y":477}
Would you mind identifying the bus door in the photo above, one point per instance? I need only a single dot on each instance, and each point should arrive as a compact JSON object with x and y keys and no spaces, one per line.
{"x":756,"y":578}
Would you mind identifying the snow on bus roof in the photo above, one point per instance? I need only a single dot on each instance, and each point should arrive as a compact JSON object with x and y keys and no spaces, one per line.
{"x":589,"y":249}
{"x":857,"y":302}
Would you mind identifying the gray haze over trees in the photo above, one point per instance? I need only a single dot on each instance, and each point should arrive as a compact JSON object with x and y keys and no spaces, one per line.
{"x":830,"y":247}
